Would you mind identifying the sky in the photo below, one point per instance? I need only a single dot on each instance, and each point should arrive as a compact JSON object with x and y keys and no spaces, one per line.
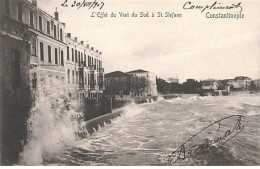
{"x":192,"y":46}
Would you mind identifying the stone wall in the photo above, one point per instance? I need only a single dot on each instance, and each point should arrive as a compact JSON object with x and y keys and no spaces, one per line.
{"x":15,"y":101}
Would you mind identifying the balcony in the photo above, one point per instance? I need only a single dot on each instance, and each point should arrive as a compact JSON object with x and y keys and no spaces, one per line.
{"x":80,"y":86}
{"x":101,"y":85}
{"x":100,"y":70}
{"x":81,"y":64}
{"x":93,"y":67}
{"x":92,"y":86}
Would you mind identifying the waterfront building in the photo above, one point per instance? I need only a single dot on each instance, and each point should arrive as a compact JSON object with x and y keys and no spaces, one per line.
{"x":15,"y":101}
{"x":151,"y":87}
{"x":210,"y":84}
{"x":85,"y":72}
{"x":173,"y":80}
{"x":239,"y":83}
{"x":257,"y":84}
{"x":117,"y":83}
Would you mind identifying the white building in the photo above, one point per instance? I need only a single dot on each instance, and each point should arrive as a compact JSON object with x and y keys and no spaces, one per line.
{"x":210,"y":84}
{"x":151,"y":89}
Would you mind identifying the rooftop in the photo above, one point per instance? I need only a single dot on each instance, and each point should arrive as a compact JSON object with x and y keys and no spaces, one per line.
{"x":138,"y":71}
{"x":117,"y":74}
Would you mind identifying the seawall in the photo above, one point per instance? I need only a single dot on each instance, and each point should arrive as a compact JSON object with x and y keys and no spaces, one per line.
{"x":100,"y":121}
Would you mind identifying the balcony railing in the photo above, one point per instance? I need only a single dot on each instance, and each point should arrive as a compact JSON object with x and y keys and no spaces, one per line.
{"x":92,"y":86}
{"x":101,"y":70}
{"x":92,"y":67}
{"x":81,"y":64}
{"x":81,"y":86}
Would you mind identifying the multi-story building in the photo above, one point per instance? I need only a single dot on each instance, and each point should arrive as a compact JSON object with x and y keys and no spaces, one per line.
{"x":85,"y":73}
{"x":118,"y":83}
{"x":173,"y":80}
{"x":210,"y":84}
{"x":15,"y":94}
{"x":151,"y":87}
{"x":32,"y":54}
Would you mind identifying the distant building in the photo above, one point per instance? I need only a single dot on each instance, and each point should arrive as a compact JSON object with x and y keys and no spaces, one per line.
{"x":257,"y":83}
{"x":173,"y":80}
{"x":239,"y":83}
{"x":117,"y":83}
{"x":151,"y":87}
{"x":210,"y":84}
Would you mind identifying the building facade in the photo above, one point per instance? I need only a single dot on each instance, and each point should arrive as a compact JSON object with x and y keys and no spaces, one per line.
{"x":150,"y":87}
{"x":36,"y":55}
{"x":85,"y":73}
{"x":117,"y":83}
{"x":15,"y":93}
{"x":210,"y":84}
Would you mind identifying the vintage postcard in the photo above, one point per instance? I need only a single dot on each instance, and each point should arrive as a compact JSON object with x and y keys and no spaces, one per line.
{"x":130,"y":82}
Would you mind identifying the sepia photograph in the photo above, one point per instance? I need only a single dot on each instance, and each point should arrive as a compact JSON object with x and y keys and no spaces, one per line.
{"x":129,"y":83}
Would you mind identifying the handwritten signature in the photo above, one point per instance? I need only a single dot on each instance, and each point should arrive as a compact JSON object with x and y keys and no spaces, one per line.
{"x":215,"y":5}
{"x":182,"y":153}
{"x":83,"y":4}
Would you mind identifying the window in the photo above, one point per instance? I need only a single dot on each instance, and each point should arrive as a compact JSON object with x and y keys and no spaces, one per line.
{"x":88,"y":61}
{"x":61,"y":35}
{"x":56,"y":56}
{"x":76,"y":57}
{"x":40,"y":23}
{"x":72,"y":52}
{"x":85,"y":58}
{"x":31,"y":18}
{"x":55,"y":32}
{"x":49,"y":54}
{"x":77,"y":77}
{"x":73,"y":79}
{"x":7,"y":7}
{"x":61,"y":58}
{"x":15,"y":76}
{"x":68,"y":53}
{"x":68,"y":76}
{"x":48,"y":27}
{"x":33,"y":47}
{"x":41,"y":51}
{"x":85,"y":78}
{"x":20,"y":11}
{"x":79,"y":56}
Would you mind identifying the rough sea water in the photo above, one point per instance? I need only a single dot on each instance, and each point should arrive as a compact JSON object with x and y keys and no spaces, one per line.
{"x":223,"y":130}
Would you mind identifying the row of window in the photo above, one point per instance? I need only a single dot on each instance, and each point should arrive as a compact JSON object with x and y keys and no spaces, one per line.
{"x":75,"y":77}
{"x":56,"y":55}
{"x":79,"y":57}
{"x":50,"y":25}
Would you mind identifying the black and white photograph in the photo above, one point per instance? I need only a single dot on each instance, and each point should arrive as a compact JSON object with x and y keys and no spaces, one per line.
{"x":129,"y":83}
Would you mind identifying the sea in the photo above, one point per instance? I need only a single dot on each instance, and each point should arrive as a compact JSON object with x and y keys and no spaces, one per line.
{"x":190,"y":131}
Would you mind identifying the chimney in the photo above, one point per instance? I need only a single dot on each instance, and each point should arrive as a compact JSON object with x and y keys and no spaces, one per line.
{"x":100,"y":53}
{"x":92,"y":48}
{"x":34,"y":2}
{"x":96,"y":51}
{"x":82,"y":42}
{"x":56,"y":14}
{"x":76,"y":39}
{"x":87,"y":45}
{"x":69,"y":35}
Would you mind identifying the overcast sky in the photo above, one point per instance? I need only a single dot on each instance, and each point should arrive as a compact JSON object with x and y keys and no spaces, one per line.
{"x":188,"y":47}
